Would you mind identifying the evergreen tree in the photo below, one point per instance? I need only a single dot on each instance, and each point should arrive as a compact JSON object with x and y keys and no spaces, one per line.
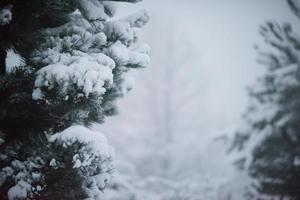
{"x":75,"y":64}
{"x":272,"y":139}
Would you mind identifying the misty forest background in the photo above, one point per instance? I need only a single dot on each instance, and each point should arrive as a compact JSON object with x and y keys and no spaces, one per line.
{"x":215,"y":116}
{"x":205,"y":56}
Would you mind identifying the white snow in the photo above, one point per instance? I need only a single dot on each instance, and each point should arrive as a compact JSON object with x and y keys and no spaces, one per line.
{"x":110,"y":8}
{"x":126,"y":30}
{"x":138,"y":19}
{"x":86,"y":72}
{"x":21,"y":176}
{"x":102,"y":180}
{"x":19,"y":191}
{"x":119,"y":53}
{"x":36,"y":176}
{"x":4,"y":173}
{"x":119,"y":30}
{"x":84,"y":52}
{"x":92,"y":10}
{"x":94,"y":140}
{"x":5,"y":15}
{"x":77,"y":161}
{"x":126,"y":57}
{"x":139,"y":59}
{"x":53,"y":163}
{"x":18,"y":165}
{"x":37,"y":94}
{"x":38,"y":188}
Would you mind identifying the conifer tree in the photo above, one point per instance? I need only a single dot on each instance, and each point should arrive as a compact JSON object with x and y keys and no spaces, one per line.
{"x":272,"y":139}
{"x":75,"y":60}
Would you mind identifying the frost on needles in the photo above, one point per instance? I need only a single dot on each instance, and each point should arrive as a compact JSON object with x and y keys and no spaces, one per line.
{"x":75,"y":69}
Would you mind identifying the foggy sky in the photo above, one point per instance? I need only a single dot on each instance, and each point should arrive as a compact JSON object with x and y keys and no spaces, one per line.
{"x":224,"y":33}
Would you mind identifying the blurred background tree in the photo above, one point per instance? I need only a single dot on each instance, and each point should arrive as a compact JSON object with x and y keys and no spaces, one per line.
{"x":271,"y":142}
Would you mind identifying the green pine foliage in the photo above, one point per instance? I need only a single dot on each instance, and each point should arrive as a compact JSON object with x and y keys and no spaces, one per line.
{"x":75,"y":63}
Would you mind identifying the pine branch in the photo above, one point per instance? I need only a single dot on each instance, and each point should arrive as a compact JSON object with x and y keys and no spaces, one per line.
{"x":294,"y":6}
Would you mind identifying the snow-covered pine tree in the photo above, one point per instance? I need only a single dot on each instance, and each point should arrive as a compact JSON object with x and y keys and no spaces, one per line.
{"x":75,"y":64}
{"x":271,"y":141}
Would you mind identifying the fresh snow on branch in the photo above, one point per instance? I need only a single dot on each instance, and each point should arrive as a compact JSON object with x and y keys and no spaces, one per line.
{"x":94,"y":159}
{"x":83,"y":55}
{"x":85,"y":73}
{"x":5,"y":15}
{"x":95,"y":140}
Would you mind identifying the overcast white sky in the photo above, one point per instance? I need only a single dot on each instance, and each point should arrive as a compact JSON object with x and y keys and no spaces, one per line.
{"x":224,"y":32}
